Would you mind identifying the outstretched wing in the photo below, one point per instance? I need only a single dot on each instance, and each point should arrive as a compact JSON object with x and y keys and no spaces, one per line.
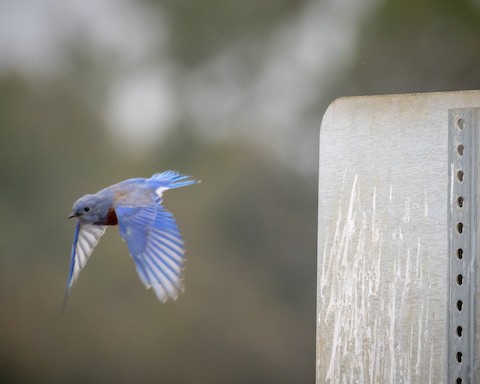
{"x":85,"y":238}
{"x":155,"y":243}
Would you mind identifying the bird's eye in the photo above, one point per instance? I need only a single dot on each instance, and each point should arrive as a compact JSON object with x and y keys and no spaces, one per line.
{"x":86,"y":209}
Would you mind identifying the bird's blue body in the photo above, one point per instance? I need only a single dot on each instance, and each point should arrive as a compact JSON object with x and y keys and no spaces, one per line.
{"x":151,"y":233}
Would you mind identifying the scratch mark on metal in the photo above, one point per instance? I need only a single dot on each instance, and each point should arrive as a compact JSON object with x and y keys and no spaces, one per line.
{"x":406,"y":217}
{"x":425,"y":203}
{"x":365,"y":299}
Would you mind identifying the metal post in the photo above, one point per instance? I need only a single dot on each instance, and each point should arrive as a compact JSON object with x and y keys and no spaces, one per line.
{"x":463,"y":239}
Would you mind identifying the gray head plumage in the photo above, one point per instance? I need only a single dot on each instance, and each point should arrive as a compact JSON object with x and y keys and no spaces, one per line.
{"x":90,"y":209}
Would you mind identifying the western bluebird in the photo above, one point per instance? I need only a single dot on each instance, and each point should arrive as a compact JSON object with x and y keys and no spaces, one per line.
{"x":151,"y":233}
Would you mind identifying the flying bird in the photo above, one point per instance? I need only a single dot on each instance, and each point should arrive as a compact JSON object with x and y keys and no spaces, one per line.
{"x":151,"y":233}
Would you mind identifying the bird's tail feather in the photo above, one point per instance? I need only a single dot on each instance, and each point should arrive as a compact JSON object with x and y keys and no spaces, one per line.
{"x":173,"y":179}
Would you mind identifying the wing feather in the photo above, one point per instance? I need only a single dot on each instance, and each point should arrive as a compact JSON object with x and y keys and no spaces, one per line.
{"x":85,"y":238}
{"x":156,"y":245}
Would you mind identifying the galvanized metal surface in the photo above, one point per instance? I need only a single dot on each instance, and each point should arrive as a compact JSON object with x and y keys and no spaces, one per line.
{"x":383,"y":257}
{"x":463,"y":225}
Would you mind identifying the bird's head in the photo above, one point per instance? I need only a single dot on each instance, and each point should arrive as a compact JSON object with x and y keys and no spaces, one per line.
{"x":89,"y":209}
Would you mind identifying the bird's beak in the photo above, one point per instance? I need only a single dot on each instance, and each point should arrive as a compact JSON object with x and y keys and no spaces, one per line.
{"x":73,"y":214}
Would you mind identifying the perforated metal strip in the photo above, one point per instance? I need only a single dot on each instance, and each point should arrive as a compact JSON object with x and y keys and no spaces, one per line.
{"x":463,"y":244}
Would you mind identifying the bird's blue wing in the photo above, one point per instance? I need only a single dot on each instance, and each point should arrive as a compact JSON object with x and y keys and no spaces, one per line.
{"x":85,"y":238}
{"x":155,"y":243}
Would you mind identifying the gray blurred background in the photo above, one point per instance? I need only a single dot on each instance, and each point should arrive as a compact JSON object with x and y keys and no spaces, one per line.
{"x":230,"y":91}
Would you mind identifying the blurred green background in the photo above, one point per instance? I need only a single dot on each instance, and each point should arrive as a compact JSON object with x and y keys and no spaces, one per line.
{"x":232,"y":92}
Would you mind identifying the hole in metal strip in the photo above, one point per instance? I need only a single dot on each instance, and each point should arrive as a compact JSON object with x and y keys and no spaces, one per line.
{"x":460,"y":253}
{"x":459,"y":357}
{"x":460,"y":149}
{"x":459,"y":331}
{"x":460,"y":279}
{"x":459,"y":305}
{"x":460,"y":201}
{"x":460,"y":227}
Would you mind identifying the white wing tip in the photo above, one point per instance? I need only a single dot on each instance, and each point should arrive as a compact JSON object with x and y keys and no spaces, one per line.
{"x":164,"y":295}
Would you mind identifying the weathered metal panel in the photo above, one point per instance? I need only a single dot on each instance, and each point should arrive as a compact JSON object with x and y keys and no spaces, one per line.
{"x":383,"y":257}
